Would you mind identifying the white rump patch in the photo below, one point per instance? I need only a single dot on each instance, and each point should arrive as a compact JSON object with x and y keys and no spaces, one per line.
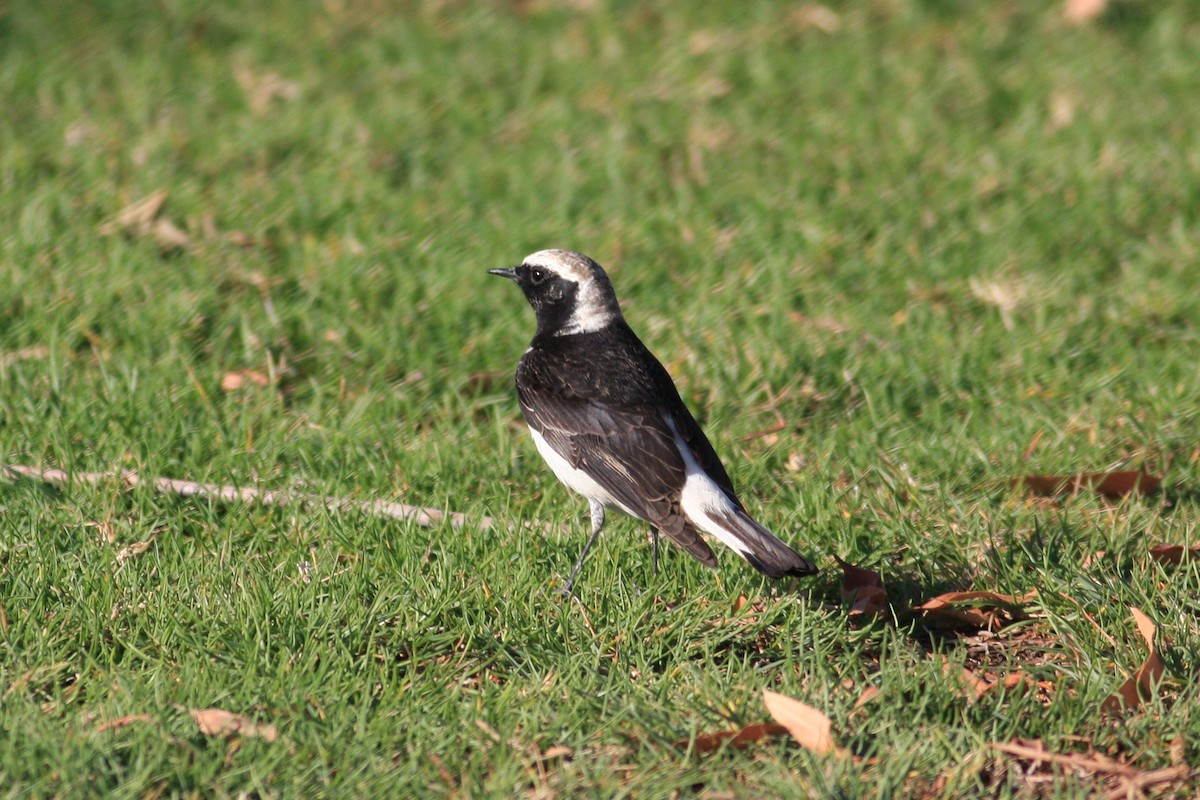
{"x":704,"y":502}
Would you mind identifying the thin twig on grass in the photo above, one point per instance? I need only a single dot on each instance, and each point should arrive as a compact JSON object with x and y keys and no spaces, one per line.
{"x":425,"y":517}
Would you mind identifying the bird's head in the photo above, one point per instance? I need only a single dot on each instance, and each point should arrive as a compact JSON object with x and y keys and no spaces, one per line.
{"x":569,"y":292}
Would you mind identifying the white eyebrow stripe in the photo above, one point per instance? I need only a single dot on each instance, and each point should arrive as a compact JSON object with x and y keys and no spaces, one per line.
{"x":557,"y":262}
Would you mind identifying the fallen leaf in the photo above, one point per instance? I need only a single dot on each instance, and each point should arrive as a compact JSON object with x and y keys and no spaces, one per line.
{"x":121,"y":722}
{"x":1004,"y":295}
{"x":242,"y":239}
{"x":1019,"y":679}
{"x":808,"y":726}
{"x":9,"y":357}
{"x":144,"y":218}
{"x":135,"y":216}
{"x":708,"y":742}
{"x":218,"y":722}
{"x":129,"y":551}
{"x":491,"y":732}
{"x":263,"y":88}
{"x":814,"y":16}
{"x":766,"y":433}
{"x":1120,"y":777}
{"x":556,"y":752}
{"x":1173,"y":553}
{"x":869,"y":694}
{"x":974,"y":685}
{"x":863,"y":589}
{"x":168,"y":235}
{"x":1081,"y":12}
{"x":232,"y":381}
{"x":989,"y":610}
{"x":1109,"y":484}
{"x":740,"y":602}
{"x":1142,"y":682}
{"x":1062,"y":110}
{"x":977,"y":686}
{"x":1033,"y":443}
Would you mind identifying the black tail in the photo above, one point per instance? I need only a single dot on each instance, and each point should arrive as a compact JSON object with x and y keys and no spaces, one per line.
{"x":763,"y":550}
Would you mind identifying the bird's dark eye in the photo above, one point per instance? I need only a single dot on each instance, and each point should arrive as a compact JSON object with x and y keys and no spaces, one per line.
{"x":536,"y":275}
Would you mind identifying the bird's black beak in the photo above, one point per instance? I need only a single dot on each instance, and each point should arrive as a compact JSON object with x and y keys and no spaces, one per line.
{"x":511,"y":274}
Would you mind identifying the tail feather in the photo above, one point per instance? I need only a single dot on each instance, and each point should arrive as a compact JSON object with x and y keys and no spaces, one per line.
{"x":685,"y":536}
{"x":762,"y":549}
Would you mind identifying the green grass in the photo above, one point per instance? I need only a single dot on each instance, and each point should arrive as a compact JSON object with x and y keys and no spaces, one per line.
{"x":818,"y":227}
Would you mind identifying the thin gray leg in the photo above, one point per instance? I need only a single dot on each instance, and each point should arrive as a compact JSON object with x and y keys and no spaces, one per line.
{"x":597,"y":525}
{"x":654,"y":549}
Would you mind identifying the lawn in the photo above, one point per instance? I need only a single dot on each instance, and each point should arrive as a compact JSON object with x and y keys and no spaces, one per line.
{"x":895,"y":254}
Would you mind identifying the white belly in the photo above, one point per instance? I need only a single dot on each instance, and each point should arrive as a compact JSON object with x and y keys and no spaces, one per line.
{"x":575,"y":479}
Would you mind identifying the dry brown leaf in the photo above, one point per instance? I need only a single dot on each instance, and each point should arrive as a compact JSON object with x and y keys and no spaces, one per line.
{"x":708,"y":742}
{"x":863,"y":589}
{"x":814,"y":16}
{"x":989,"y":610}
{"x":1124,"y":778}
{"x":739,"y":603}
{"x":9,"y":357}
{"x":556,"y":752}
{"x":129,"y":551}
{"x":1081,"y":12}
{"x":1033,"y":443}
{"x":1062,"y":110}
{"x":1019,"y":680}
{"x":1109,"y":484}
{"x":975,"y":686}
{"x":121,"y":722}
{"x":144,"y":218}
{"x":808,"y":726}
{"x":168,"y":235}
{"x":263,"y":88}
{"x":218,"y":722}
{"x":1173,"y":553}
{"x":136,"y":216}
{"x":1006,"y":296}
{"x":1141,"y":683}
{"x":232,"y":381}
{"x":869,"y":694}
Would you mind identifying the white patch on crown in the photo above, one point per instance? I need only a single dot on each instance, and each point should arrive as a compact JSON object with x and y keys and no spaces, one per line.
{"x":569,"y":265}
{"x":593,"y":311}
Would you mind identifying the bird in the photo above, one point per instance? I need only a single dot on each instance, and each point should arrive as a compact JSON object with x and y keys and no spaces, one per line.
{"x":605,"y":415}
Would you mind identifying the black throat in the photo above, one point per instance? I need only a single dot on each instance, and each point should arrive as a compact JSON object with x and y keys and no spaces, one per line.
{"x":553,"y":303}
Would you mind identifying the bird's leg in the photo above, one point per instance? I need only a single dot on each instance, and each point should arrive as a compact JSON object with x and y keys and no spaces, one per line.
{"x":597,"y":511}
{"x":654,"y":550}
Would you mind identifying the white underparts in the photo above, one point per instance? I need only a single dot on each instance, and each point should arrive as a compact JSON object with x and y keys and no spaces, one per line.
{"x":573,"y":478}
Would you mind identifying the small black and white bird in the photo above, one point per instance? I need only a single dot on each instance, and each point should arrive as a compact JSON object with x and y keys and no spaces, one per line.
{"x":609,"y":421}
